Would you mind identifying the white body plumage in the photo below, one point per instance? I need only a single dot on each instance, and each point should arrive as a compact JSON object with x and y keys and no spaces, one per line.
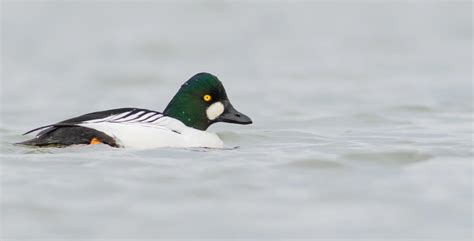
{"x":151,"y":130}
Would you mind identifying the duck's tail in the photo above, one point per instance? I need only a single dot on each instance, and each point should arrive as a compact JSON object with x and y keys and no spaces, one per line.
{"x":62,"y":136}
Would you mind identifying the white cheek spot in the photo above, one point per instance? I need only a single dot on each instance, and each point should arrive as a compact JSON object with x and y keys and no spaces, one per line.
{"x":214,"y":110}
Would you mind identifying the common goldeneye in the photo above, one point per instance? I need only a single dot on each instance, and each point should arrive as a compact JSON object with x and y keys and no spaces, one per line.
{"x":199,"y":103}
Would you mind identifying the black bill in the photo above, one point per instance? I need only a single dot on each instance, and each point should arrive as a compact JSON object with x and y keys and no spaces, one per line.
{"x":231,"y":115}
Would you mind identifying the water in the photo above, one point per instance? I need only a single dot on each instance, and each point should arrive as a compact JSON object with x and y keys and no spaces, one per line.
{"x":362,"y":116}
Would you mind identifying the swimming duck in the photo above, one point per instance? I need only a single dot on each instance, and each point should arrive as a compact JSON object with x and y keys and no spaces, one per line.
{"x":200,"y":102}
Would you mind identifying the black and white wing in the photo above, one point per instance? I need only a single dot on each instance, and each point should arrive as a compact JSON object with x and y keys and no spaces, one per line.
{"x":89,"y":128}
{"x":122,"y":115}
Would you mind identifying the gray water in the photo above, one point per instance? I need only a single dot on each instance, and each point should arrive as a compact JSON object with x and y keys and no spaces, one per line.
{"x":363,"y":120}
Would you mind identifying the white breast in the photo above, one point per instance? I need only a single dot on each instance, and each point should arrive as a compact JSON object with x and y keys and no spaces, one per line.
{"x":165,"y":132}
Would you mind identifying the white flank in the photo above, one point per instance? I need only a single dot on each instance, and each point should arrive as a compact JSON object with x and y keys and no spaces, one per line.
{"x":215,"y":110}
{"x":162,"y":132}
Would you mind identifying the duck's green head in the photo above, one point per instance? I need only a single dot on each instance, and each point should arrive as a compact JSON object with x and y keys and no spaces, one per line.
{"x":202,"y":101}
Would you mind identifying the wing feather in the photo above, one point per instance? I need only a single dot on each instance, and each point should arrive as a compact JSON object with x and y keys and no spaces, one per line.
{"x":122,"y":115}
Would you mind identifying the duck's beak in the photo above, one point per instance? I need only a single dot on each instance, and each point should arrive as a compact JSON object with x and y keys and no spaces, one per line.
{"x":231,"y":115}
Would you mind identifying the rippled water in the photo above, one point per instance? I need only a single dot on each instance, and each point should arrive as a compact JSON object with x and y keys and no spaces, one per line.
{"x":362,"y":116}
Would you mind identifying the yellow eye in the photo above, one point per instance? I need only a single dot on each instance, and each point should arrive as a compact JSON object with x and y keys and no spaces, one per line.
{"x":207,"y":98}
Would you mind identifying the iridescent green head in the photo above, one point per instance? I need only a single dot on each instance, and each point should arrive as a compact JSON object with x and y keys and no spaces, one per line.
{"x":202,"y":101}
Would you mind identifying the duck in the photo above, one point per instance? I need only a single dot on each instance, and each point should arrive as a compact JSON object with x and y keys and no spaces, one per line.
{"x":200,"y":102}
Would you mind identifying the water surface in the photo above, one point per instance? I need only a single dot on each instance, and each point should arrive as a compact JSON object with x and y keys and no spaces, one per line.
{"x":362,"y":120}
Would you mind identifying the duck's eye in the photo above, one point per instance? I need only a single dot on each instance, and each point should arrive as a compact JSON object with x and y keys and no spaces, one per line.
{"x":207,"y":98}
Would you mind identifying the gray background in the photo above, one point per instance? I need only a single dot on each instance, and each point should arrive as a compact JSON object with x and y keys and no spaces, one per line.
{"x":362,"y":119}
